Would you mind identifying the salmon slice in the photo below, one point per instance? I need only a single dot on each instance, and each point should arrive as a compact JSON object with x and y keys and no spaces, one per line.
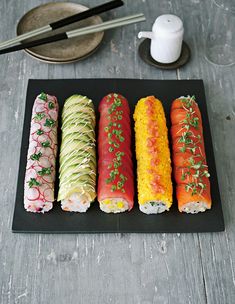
{"x":202,"y":199}
{"x":184,"y":175}
{"x":180,"y":116}
{"x":186,"y":159}
{"x":194,"y":147}
{"x":179,"y":104}
{"x":180,"y":130}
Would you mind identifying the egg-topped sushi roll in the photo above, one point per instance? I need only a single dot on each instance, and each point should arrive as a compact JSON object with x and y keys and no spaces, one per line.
{"x":153,"y":157}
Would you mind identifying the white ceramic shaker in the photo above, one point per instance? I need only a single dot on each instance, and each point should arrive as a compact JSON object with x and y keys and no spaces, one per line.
{"x":166,"y":38}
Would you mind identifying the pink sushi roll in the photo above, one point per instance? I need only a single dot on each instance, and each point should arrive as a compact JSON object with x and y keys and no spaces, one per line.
{"x":41,"y":158}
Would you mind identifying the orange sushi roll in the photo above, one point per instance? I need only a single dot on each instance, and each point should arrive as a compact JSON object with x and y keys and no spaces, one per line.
{"x":198,"y":202}
{"x":189,"y":158}
{"x":153,"y":157}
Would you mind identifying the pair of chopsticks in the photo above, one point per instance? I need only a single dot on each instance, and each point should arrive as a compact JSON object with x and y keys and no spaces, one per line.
{"x":63,"y":22}
{"x":16,"y":45}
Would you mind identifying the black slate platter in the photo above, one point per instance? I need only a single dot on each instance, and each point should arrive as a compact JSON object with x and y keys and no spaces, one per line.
{"x":95,"y":221}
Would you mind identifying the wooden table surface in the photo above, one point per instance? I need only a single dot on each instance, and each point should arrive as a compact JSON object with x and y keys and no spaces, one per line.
{"x":117,"y":268}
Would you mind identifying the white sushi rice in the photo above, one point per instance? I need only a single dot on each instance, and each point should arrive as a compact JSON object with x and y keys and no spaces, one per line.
{"x":77,"y":202}
{"x":37,"y":207}
{"x":194,"y":207}
{"x":114,"y":205}
{"x":153,"y":207}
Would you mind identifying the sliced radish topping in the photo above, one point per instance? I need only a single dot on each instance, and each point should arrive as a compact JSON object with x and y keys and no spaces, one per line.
{"x":47,"y":151}
{"x":44,"y":162}
{"x":34,"y":127}
{"x":40,"y":108}
{"x":53,"y":114}
{"x":33,"y":194}
{"x":47,"y":178}
{"x":31,"y":173}
{"x":39,"y":181}
{"x":49,"y":195}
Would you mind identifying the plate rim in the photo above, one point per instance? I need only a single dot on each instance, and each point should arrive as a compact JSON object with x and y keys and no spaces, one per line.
{"x":55,"y":62}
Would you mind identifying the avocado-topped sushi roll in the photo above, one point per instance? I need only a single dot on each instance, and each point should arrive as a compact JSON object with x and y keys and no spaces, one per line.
{"x":77,"y":172}
{"x":153,"y":157}
{"x":41,"y":159}
{"x":115,"y":168}
{"x":189,"y":157}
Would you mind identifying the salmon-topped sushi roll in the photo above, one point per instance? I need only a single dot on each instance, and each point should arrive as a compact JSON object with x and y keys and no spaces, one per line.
{"x":189,"y":157}
{"x":199,"y":201}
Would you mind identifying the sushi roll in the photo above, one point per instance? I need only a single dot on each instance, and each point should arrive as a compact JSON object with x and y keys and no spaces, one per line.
{"x":115,"y":168}
{"x":153,"y":157}
{"x":41,"y":158}
{"x":189,"y":157}
{"x":77,"y":172}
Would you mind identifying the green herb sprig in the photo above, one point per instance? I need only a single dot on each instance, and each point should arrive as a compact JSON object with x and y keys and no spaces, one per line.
{"x":36,"y":156}
{"x":33,"y":182}
{"x":45,"y":171}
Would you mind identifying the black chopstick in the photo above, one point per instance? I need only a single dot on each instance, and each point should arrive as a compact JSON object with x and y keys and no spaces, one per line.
{"x":63,"y":22}
{"x":83,"y":15}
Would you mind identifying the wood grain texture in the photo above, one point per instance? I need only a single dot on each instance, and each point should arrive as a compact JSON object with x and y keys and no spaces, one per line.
{"x":117,"y":268}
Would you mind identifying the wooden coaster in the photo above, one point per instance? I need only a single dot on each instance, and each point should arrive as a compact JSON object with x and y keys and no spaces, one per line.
{"x":144,"y":52}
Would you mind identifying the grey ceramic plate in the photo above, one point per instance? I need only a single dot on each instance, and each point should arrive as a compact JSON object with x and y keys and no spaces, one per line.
{"x":66,"y":50}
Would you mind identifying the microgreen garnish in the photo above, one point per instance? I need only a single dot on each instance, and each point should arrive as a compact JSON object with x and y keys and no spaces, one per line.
{"x":115,"y":137}
{"x":49,"y":122}
{"x":193,"y":150}
{"x":188,"y":101}
{"x":116,"y":163}
{"x":33,"y":182}
{"x":45,"y":171}
{"x":36,"y":156}
{"x":40,"y":132}
{"x":46,"y":144}
{"x":51,"y":105}
{"x":39,"y":116}
{"x":205,"y":173}
{"x":113,"y":188}
{"x":43,"y":96}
